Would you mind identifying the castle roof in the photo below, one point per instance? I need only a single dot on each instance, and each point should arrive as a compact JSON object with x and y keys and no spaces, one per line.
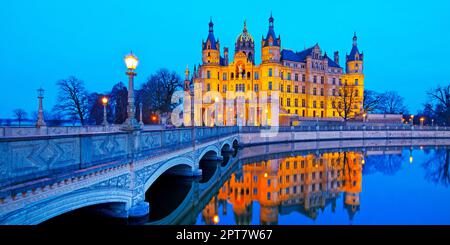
{"x":290,"y":55}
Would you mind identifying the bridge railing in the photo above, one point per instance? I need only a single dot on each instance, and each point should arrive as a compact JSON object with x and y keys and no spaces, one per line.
{"x":251,"y":129}
{"x":28,"y":158}
{"x":64,"y":130}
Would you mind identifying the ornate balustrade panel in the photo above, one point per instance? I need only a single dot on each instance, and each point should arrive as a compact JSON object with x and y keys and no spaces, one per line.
{"x":29,"y":158}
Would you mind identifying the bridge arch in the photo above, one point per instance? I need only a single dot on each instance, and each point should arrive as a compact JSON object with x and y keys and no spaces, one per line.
{"x":46,"y":210}
{"x":183,"y":163}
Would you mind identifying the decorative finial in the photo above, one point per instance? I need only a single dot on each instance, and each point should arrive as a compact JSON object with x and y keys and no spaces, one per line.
{"x":354,"y":38}
{"x":245,"y":25}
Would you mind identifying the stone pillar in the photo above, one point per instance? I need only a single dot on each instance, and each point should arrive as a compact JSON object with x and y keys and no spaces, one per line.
{"x":141,"y":122}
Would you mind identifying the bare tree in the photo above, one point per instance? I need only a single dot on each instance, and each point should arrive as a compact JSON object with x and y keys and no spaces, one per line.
{"x":346,"y":102}
{"x":438,"y":167}
{"x":439,"y":104}
{"x":392,"y":103}
{"x":20,"y":115}
{"x":72,"y":99}
{"x":371,"y":101}
{"x":157,"y":92}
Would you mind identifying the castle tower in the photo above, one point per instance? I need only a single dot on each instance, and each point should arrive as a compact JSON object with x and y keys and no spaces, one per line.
{"x":355,"y":59}
{"x":245,"y":43}
{"x":354,"y":75}
{"x":270,"y":45}
{"x":211,"y":48}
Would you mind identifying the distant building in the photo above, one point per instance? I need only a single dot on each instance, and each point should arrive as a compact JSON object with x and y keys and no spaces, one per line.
{"x":308,"y":80}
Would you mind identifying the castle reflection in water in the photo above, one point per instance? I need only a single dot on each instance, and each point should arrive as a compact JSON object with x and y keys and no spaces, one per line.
{"x":300,"y":183}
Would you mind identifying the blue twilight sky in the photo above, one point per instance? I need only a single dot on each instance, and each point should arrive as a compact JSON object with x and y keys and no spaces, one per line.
{"x":406,"y":43}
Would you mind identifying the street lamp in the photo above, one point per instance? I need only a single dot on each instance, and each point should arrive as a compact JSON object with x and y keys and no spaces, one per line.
{"x":131,"y":61}
{"x":364,"y":116}
{"x":422,"y":119}
{"x":104,"y":102}
{"x":40,"y":120}
{"x":412,"y":119}
{"x":432,"y":121}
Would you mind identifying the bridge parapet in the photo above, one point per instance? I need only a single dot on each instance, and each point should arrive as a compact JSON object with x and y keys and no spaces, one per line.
{"x":31,"y":158}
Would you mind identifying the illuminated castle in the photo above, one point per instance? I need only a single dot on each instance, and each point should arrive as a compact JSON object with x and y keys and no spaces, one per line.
{"x":309,"y":81}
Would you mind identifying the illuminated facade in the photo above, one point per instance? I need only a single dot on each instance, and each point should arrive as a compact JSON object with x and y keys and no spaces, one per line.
{"x":301,"y":183}
{"x":309,"y":81}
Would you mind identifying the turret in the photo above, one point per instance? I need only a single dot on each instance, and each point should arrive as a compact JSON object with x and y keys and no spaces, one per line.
{"x":355,"y":59}
{"x":270,"y":44}
{"x":211,"y":47}
{"x":187,"y":82}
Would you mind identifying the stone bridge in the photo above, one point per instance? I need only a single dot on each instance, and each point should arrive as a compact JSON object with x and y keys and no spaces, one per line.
{"x":44,"y":176}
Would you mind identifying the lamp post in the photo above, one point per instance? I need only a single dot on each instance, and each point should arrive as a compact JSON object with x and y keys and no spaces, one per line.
{"x":131,"y":61}
{"x":412,"y":120}
{"x":364,"y":117}
{"x":140,"y":115}
{"x":40,"y":120}
{"x":422,"y":119}
{"x":104,"y":102}
{"x":432,"y":122}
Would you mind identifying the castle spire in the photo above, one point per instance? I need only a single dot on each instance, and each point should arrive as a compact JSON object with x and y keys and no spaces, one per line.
{"x":355,"y":39}
{"x":271,"y":20}
{"x":211,"y":25}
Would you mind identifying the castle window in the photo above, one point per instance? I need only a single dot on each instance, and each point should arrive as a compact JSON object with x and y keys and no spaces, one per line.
{"x":334,"y":92}
{"x":322,"y":79}
{"x":303,"y":77}
{"x":334,"y":81}
{"x":224,"y":76}
{"x":315,"y":79}
{"x":340,"y":81}
{"x":281,"y":75}
{"x":270,"y":85}
{"x":303,"y":90}
{"x":296,"y":89}
{"x":321,"y":92}
{"x":288,"y":103}
{"x":314,"y":105}
{"x":296,"y":77}
{"x":209,"y":54}
{"x":256,"y":87}
{"x":232,"y":76}
{"x":237,"y":87}
{"x":296,"y":111}
{"x":356,"y":93}
{"x":270,"y":72}
{"x":268,"y":182}
{"x":314,"y":91}
{"x":321,"y":104}
{"x":224,"y":88}
{"x":218,"y":87}
{"x":208,"y":75}
{"x":288,"y":88}
{"x":296,"y":102}
{"x":268,"y":196}
{"x":281,"y":101}
{"x":281,"y":87}
{"x":208,"y":87}
{"x":289,"y":76}
{"x":303,"y":113}
{"x":356,"y":82}
{"x":249,"y":75}
{"x":304,"y":105}
{"x":256,"y":75}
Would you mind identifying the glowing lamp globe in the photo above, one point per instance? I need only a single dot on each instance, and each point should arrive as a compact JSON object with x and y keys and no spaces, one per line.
{"x":104,"y":100}
{"x":131,"y":61}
